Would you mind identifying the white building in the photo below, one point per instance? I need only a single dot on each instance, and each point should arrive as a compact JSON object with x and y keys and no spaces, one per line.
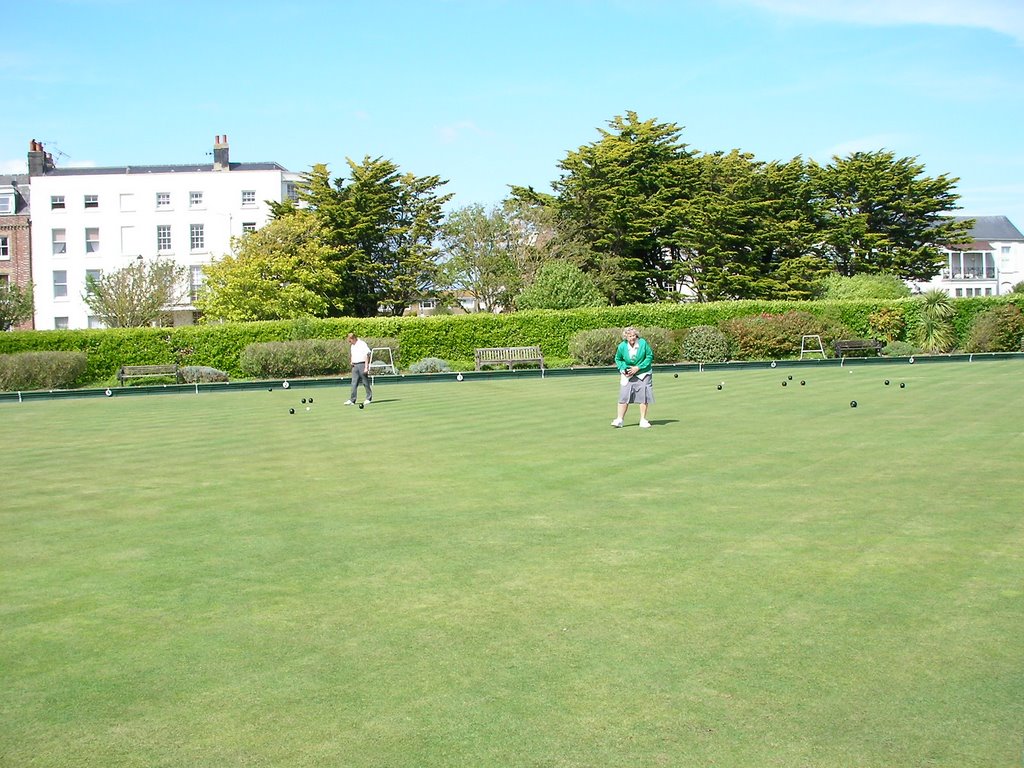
{"x":990,"y":264}
{"x":96,"y":220}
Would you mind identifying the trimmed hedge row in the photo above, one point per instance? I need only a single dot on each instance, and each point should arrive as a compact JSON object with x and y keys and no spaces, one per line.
{"x":451,"y":337}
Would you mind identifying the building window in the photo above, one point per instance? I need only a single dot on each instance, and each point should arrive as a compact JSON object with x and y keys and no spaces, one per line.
{"x":92,"y":240}
{"x":60,"y":245}
{"x":6,"y":203}
{"x":60,"y":284}
{"x":5,"y":279}
{"x":163,"y":237}
{"x":248,"y":197}
{"x":60,"y":323}
{"x":57,"y":202}
{"x":5,"y":248}
{"x":195,"y":281}
{"x":195,"y":199}
{"x":95,"y":323}
{"x":163,"y":199}
{"x":248,"y":226}
{"x":197,"y":239}
{"x":291,"y":193}
{"x":92,"y":201}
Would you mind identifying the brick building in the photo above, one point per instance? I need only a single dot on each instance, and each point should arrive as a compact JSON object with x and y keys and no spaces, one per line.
{"x":15,"y":241}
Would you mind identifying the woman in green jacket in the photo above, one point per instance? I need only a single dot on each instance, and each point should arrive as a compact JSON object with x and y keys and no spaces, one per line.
{"x":634,"y":358}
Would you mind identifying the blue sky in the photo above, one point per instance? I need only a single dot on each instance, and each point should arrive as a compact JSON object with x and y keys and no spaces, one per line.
{"x":487,"y":93}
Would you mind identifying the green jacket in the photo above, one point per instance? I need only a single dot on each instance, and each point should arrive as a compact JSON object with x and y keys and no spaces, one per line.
{"x":643,"y":359}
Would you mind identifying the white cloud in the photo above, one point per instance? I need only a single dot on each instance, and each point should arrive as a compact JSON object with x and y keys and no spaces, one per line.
{"x":1003,"y":16}
{"x":13,"y":166}
{"x":454,"y":131}
{"x":874,"y":143}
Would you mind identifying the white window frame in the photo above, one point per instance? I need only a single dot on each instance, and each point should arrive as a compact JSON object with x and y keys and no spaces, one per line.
{"x":92,"y":244}
{"x":57,"y":203}
{"x":60,"y":286}
{"x":248,"y":226}
{"x":91,"y":201}
{"x":163,"y":238}
{"x":248,"y":198}
{"x":195,"y":280}
{"x":163,"y":200}
{"x":96,"y":274}
{"x":195,"y":199}
{"x":5,"y":248}
{"x":7,"y":203}
{"x":197,"y":238}
{"x":62,"y":242}
{"x":60,"y":323}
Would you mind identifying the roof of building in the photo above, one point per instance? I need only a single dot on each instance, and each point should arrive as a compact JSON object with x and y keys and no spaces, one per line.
{"x":20,"y":181}
{"x":144,"y":169}
{"x":997,"y":228}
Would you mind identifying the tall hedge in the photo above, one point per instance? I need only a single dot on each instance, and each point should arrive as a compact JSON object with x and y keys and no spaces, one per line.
{"x":449,"y":337}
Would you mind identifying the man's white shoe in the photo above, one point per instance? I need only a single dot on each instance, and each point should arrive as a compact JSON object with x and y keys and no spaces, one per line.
{"x":366,"y":402}
{"x":349,"y":402}
{"x":644,"y":424}
{"x":617,"y":423}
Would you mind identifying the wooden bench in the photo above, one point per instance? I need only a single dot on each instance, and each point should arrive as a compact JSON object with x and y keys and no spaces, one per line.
{"x":851,"y":345}
{"x":147,"y":371}
{"x":507,"y":356}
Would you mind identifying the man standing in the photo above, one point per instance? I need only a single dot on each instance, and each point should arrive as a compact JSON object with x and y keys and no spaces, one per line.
{"x":360,"y":352}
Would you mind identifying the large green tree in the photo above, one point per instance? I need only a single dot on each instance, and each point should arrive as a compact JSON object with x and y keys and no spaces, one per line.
{"x":625,"y":197}
{"x":280,"y":271}
{"x":880,"y":213}
{"x":479,"y":260}
{"x":748,"y":234}
{"x":381,"y":226}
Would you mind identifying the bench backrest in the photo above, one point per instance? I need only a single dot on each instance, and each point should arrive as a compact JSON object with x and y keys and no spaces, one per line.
{"x":508,"y":353}
{"x":143,"y":369}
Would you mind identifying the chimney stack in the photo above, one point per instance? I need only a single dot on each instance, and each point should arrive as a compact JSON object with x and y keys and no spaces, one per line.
{"x":40,"y":161}
{"x":220,"y":153}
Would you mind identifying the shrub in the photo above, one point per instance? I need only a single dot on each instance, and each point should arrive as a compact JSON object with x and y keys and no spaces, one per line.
{"x":663,"y":343}
{"x":768,"y":337}
{"x":430,"y":365}
{"x":41,"y":370}
{"x":596,"y":347}
{"x":280,"y":359}
{"x":886,"y":323}
{"x":900,"y":349}
{"x":201,"y":374}
{"x":705,"y":344}
{"x":560,"y":285}
{"x":1000,"y":329}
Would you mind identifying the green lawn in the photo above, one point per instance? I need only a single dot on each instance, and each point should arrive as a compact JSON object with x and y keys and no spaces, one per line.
{"x":485,"y":573}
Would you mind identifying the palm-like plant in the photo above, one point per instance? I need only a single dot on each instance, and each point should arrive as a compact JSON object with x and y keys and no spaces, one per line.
{"x":935,"y":331}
